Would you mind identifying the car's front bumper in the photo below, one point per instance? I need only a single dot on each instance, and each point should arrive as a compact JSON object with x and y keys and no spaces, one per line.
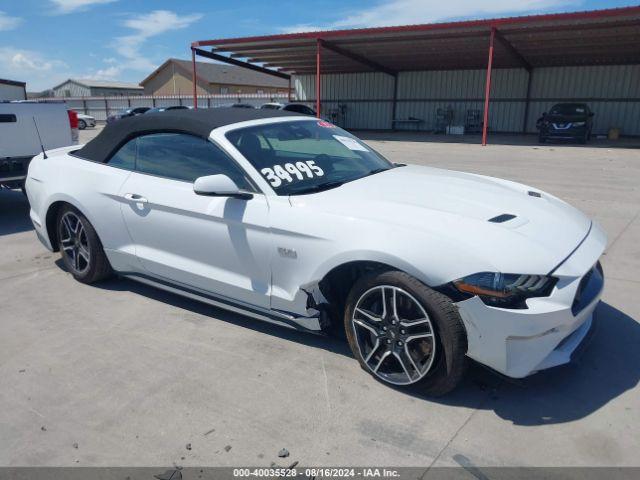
{"x":518,"y":343}
{"x":564,"y":133}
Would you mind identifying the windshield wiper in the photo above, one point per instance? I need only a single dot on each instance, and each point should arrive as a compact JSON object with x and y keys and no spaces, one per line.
{"x":320,"y":188}
{"x":324,"y":186}
{"x":329,"y":185}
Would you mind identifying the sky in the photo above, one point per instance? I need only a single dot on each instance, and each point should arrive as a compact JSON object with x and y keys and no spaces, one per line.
{"x":44,"y":42}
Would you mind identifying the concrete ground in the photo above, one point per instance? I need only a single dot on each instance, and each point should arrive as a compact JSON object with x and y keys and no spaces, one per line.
{"x":122,"y":374}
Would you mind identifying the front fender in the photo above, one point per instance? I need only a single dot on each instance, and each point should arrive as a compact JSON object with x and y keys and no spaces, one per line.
{"x":376,"y":256}
{"x":431,"y":269}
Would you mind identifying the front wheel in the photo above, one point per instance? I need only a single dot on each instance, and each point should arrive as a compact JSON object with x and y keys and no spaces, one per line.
{"x":82,"y":124}
{"x":80,"y":247}
{"x":404,"y":333}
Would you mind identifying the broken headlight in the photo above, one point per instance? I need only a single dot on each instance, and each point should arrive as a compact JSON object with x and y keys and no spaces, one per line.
{"x":506,"y":290}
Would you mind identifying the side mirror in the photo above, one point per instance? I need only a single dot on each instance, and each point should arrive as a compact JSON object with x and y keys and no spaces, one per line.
{"x":219,"y":186}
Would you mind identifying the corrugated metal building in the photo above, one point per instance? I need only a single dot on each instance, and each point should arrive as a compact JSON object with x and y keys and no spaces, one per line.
{"x":12,"y":90}
{"x":505,"y":71}
{"x":365,"y":100}
{"x":95,"y":88}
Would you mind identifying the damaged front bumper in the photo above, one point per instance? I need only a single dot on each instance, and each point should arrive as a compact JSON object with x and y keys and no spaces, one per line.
{"x":518,"y":343}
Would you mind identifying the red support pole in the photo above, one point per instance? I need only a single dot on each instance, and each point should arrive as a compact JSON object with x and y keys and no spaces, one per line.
{"x":318,"y":62}
{"x":195,"y":86}
{"x":487,"y":88}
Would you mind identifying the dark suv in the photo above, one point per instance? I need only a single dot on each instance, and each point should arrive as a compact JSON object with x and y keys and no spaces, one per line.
{"x":129,"y":112}
{"x":567,"y":121}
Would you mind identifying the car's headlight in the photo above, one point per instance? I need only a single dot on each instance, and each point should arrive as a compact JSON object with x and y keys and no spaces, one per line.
{"x":506,"y":290}
{"x":579,"y":124}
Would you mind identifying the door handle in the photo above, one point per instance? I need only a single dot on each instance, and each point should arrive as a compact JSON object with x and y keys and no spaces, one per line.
{"x":134,"y":197}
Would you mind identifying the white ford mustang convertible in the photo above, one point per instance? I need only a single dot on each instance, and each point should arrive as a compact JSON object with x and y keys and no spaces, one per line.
{"x":295,"y":221}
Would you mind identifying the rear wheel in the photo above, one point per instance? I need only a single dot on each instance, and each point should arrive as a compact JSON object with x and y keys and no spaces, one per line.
{"x":404,"y":333}
{"x":80,"y":247}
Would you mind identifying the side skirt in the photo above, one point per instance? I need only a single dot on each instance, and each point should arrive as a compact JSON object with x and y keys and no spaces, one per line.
{"x":307,"y":324}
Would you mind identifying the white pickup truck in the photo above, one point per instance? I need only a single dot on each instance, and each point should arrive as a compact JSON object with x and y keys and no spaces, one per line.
{"x":26,"y":127}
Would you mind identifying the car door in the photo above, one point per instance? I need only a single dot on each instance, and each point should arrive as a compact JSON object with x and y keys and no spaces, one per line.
{"x":216,"y":244}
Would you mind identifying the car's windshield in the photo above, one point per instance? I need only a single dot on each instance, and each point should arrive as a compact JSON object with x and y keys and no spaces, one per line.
{"x":569,"y":109}
{"x":306,"y":156}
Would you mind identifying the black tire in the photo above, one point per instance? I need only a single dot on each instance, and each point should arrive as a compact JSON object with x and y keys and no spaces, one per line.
{"x":583,"y":140}
{"x":449,"y":361}
{"x":82,"y":124}
{"x":542,"y":138}
{"x":97,"y":267}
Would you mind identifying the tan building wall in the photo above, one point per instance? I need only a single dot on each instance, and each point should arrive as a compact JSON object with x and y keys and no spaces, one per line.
{"x":167,"y":82}
{"x":225,"y":88}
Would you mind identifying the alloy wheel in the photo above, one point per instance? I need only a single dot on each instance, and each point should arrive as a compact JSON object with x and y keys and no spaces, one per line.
{"x":394,"y":334}
{"x":74,"y":242}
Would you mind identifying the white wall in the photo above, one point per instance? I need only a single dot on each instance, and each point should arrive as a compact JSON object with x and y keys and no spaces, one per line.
{"x":11,"y":92}
{"x":71,"y":89}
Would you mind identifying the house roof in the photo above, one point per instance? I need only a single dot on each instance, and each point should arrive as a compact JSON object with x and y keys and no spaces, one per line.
{"x":597,"y":37}
{"x":15,"y":83}
{"x":90,"y":83}
{"x":221,"y":73}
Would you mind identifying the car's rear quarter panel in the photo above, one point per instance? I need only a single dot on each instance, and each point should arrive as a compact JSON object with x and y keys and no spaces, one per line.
{"x":93,"y":188}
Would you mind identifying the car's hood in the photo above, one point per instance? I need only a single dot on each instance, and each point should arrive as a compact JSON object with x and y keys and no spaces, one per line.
{"x":444,"y":202}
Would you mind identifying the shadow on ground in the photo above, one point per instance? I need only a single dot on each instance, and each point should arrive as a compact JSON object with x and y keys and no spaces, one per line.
{"x":14,"y":212}
{"x":334,"y":345}
{"x":495,"y":139}
{"x":606,"y":368}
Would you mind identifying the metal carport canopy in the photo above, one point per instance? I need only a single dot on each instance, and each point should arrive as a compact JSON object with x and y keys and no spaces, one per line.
{"x":597,"y":37}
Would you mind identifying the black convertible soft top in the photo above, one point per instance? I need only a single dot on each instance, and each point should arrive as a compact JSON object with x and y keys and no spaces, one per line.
{"x":195,"y":122}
